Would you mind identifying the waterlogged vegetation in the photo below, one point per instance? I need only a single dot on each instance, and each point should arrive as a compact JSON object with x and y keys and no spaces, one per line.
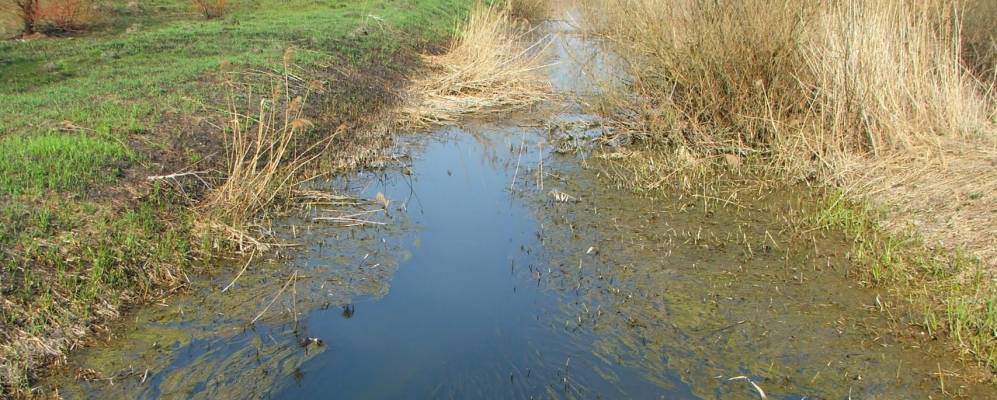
{"x":885,"y":105}
{"x":948,"y":292}
{"x":720,"y":230}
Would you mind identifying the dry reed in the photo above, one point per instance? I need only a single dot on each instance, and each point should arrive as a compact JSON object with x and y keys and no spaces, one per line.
{"x":815,"y":89}
{"x":265,"y":156}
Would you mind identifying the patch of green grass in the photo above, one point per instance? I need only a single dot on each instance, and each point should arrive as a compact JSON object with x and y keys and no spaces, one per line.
{"x":119,"y":82}
{"x":948,"y":293}
{"x":55,"y":161}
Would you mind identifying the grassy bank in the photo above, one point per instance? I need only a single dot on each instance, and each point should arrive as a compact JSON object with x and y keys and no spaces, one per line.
{"x":887,"y":103}
{"x":86,"y":119}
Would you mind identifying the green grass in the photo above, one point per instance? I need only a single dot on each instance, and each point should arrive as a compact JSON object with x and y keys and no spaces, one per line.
{"x":130,"y":88}
{"x":119,"y":82}
{"x":59,"y":162}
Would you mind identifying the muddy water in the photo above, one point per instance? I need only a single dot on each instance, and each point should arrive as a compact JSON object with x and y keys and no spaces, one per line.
{"x":499,"y":268}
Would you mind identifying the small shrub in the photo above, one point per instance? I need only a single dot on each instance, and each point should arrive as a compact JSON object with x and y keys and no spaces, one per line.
{"x":63,"y":16}
{"x":210,"y":9}
{"x":50,"y":16}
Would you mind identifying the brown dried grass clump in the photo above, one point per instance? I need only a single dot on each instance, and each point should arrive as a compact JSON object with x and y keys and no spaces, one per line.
{"x":979,"y":38}
{"x":949,"y":200}
{"x":210,"y":9}
{"x":490,"y":67}
{"x":530,"y":10}
{"x":265,"y":156}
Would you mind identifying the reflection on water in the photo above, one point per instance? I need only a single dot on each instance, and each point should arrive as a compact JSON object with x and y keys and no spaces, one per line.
{"x":473,"y":281}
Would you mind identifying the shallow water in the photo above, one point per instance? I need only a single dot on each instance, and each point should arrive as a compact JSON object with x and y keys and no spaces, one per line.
{"x":474,"y":281}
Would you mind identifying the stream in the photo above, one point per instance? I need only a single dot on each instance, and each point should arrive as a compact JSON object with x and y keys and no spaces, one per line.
{"x":497,"y":261}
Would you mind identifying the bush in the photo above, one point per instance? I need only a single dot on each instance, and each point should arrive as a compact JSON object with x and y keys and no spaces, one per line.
{"x":210,"y":9}
{"x":63,"y":16}
{"x":58,"y":16}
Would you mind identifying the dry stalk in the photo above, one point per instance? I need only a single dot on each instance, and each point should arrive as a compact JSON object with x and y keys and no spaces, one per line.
{"x":264,"y":159}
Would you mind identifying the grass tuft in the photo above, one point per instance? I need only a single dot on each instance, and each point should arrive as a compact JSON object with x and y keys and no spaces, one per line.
{"x":265,"y":155}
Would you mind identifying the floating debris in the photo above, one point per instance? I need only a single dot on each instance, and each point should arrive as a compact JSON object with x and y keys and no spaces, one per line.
{"x":382,"y":200}
{"x":761,"y":393}
{"x":309,"y":341}
{"x":562,"y":197}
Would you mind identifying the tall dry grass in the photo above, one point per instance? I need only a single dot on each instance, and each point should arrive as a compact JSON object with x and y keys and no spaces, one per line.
{"x":979,"y":37}
{"x":265,"y":154}
{"x":815,"y":89}
{"x":530,"y":10}
{"x":494,"y":64}
{"x":799,"y":78}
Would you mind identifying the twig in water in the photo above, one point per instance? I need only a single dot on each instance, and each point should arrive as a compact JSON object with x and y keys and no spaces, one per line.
{"x":761,"y":393}
{"x":941,"y":378}
{"x":294,"y":303}
{"x":562,"y":197}
{"x":518,"y":159}
{"x":237,"y":276}
{"x":541,"y":183}
{"x":353,"y":221}
{"x":293,"y":277}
